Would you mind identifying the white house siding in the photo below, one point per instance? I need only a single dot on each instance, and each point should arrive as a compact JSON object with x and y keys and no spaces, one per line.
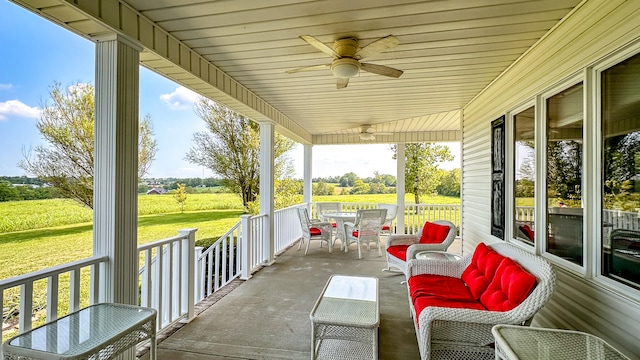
{"x":594,"y":30}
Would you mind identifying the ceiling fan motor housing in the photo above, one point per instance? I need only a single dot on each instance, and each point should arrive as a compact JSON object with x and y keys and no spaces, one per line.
{"x":346,"y":47}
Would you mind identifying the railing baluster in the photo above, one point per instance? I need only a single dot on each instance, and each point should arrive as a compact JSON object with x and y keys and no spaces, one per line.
{"x":26,"y":306}
{"x":52,"y":297}
{"x":74,"y":290}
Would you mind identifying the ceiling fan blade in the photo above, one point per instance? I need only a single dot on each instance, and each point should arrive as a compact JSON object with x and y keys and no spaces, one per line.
{"x":342,"y":83}
{"x":309,"y":68}
{"x":381,"y":70}
{"x":319,"y":45}
{"x":377,"y":46}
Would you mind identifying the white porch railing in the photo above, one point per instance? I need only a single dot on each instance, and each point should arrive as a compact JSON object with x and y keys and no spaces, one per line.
{"x":415,"y":215}
{"x":51,"y":277}
{"x":166,"y":277}
{"x":286,"y":227}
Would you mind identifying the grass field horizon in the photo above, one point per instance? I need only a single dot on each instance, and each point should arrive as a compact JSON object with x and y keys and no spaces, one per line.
{"x":33,"y":229}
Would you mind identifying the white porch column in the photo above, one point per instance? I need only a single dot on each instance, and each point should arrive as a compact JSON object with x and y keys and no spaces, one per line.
{"x":307,"y":176}
{"x":115,"y":194}
{"x":267,"y":134}
{"x":400,"y":167}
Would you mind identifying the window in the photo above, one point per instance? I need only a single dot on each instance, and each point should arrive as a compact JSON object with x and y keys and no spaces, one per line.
{"x":620,"y":114}
{"x":524,"y":175}
{"x":564,"y":123}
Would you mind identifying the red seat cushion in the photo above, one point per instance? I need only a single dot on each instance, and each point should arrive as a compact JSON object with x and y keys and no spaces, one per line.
{"x":439,"y":285}
{"x":481,"y":270}
{"x":385,"y":227}
{"x":510,"y":286}
{"x":399,"y":251}
{"x":425,"y":301}
{"x":433,"y":233}
{"x":334,"y":224}
{"x":315,"y":231}
{"x":364,"y":233}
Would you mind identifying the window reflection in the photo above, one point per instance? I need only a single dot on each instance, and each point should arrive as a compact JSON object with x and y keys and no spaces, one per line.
{"x":524,"y":175}
{"x":564,"y":174}
{"x":621,"y":170}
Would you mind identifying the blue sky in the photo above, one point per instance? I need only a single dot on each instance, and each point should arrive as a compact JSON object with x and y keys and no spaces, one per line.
{"x":35,"y":54}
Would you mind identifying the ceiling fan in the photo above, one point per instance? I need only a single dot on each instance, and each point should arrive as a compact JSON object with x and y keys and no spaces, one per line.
{"x":347,"y":55}
{"x":367,"y":133}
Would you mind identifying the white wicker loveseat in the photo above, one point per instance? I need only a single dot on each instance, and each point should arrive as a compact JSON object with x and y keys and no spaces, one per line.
{"x":454,"y":329}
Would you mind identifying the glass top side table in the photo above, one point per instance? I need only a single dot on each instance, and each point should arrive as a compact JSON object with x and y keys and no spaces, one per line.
{"x":525,"y":343}
{"x":100,"y":331}
{"x":437,"y":255}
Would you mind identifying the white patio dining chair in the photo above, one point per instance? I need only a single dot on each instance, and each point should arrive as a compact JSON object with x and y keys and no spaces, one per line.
{"x":365,"y":229}
{"x":392,"y":212}
{"x":327,"y":207}
{"x":313,"y":230}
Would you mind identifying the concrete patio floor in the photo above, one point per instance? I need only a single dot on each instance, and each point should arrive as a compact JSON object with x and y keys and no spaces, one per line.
{"x":267,"y":317}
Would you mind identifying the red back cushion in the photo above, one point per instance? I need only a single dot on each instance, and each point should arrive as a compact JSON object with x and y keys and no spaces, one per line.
{"x":510,"y":286}
{"x":433,"y":233}
{"x":527,"y":231}
{"x":481,"y":271}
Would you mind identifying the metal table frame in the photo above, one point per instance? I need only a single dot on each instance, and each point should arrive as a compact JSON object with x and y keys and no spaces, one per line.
{"x":100,"y":331}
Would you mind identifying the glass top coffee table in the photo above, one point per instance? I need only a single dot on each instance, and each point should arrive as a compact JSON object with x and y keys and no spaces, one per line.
{"x":528,"y":343}
{"x":100,"y":331}
{"x":345,"y":319}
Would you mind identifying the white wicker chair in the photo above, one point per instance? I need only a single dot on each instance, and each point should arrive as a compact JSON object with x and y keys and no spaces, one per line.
{"x":365,"y":229}
{"x":313,"y":230}
{"x":392,"y":212}
{"x":448,"y":333}
{"x":415,"y":246}
{"x":326,"y":207}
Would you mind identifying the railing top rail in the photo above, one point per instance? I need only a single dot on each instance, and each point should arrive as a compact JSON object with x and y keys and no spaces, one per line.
{"x":290,"y":207}
{"x":157,"y":243}
{"x":55,"y":270}
{"x":213,"y":246}
{"x":258,"y":216}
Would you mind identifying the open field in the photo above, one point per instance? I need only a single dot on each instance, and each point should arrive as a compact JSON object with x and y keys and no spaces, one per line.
{"x":39,"y":214}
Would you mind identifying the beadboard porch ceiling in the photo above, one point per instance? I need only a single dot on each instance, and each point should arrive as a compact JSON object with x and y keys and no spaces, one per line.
{"x":449,"y":50}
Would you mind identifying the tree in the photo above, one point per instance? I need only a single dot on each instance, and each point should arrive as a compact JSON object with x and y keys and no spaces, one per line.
{"x":348,"y":179}
{"x":359,"y":187}
{"x":181,"y":196}
{"x":421,"y":170}
{"x":449,"y":183}
{"x":231,"y":149}
{"x":322,"y":188}
{"x":67,"y":126}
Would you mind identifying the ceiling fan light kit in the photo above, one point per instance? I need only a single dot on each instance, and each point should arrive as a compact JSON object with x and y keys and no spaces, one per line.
{"x":345,"y":67}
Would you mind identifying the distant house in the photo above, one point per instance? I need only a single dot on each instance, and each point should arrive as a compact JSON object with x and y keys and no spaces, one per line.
{"x":156,"y":191}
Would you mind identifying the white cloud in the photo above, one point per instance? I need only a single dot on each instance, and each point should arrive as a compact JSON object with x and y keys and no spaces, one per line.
{"x":5,"y":86}
{"x":181,"y":98}
{"x":17,"y":108}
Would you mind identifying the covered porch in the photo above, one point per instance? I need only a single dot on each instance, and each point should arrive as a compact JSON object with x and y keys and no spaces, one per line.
{"x":465,"y":64}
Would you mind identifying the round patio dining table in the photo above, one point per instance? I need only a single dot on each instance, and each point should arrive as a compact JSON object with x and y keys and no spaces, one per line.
{"x":340,"y":218}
